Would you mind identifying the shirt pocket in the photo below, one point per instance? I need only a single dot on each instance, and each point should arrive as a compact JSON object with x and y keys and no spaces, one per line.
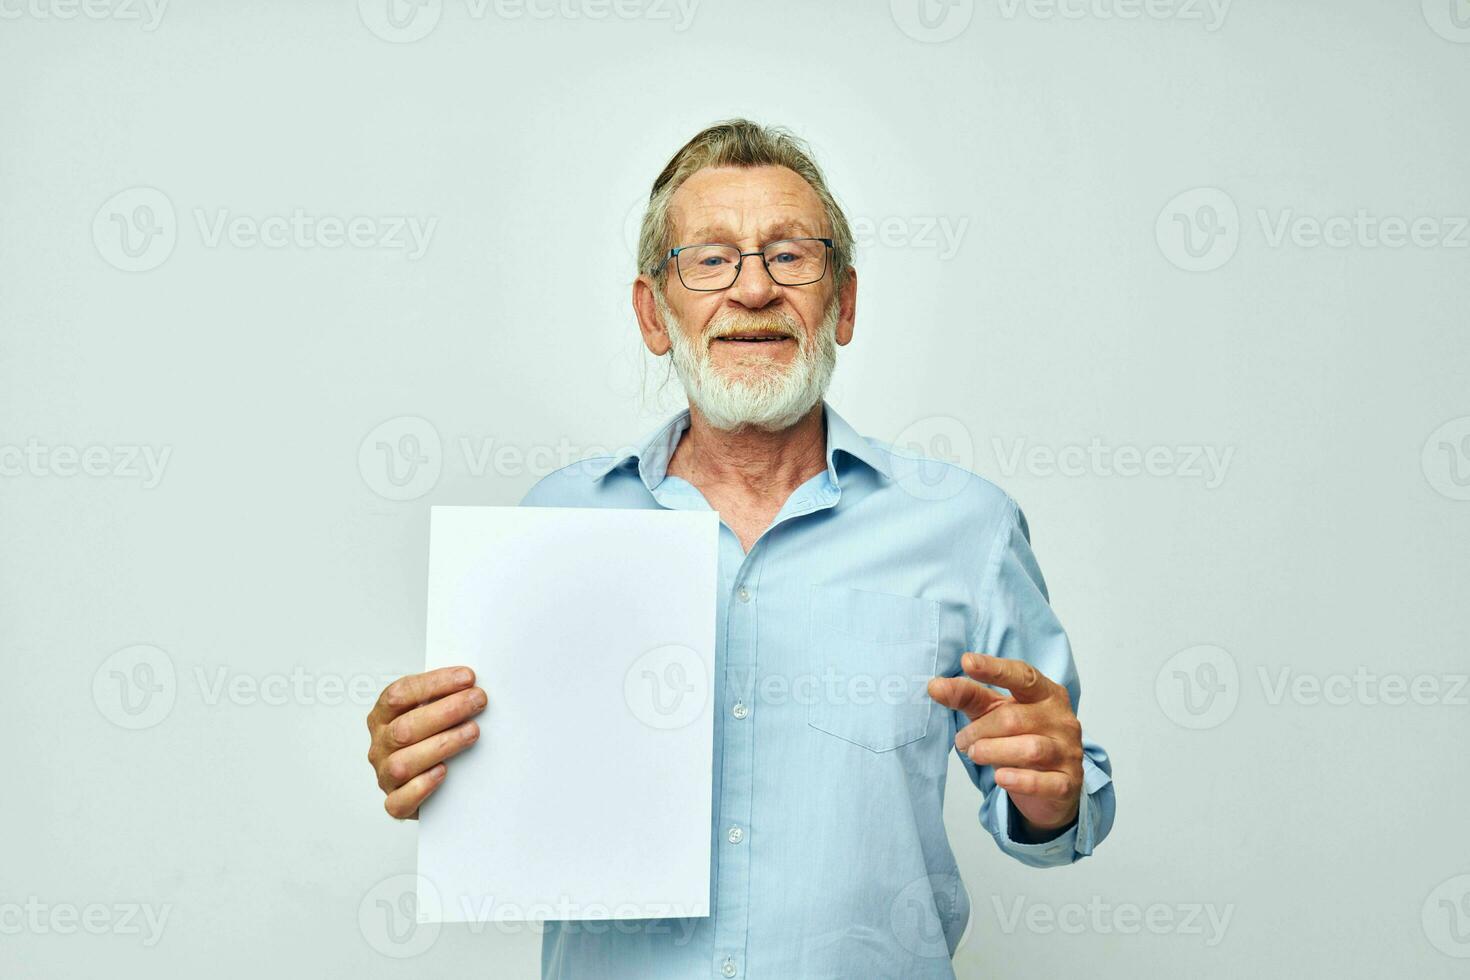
{"x":873,"y":654}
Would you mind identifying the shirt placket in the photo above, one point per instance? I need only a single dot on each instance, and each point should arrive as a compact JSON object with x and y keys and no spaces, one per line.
{"x":735,"y":700}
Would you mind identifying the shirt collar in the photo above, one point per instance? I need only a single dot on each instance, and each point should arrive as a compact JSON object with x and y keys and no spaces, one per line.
{"x":652,"y":455}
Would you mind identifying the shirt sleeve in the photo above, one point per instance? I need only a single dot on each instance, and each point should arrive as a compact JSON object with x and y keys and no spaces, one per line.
{"x":1017,"y":621}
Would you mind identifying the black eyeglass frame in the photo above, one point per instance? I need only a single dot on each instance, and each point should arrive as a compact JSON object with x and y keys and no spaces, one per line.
{"x":740,"y":262}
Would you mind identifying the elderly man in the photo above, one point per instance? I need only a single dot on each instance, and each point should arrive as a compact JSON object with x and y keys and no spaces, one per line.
{"x":889,"y":621}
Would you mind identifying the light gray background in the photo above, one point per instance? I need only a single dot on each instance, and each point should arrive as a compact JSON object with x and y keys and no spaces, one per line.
{"x":1336,"y":537}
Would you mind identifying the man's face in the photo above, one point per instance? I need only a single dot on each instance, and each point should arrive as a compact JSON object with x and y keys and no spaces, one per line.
{"x":758,"y":352}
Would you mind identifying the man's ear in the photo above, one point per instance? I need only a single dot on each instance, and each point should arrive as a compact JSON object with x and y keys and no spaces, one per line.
{"x":650,"y":324}
{"x":847,"y":300}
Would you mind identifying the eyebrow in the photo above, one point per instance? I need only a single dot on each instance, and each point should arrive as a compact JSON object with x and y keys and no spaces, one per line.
{"x":779,"y":231}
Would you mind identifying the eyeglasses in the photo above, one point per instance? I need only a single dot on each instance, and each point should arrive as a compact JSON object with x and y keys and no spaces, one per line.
{"x":707,"y":268}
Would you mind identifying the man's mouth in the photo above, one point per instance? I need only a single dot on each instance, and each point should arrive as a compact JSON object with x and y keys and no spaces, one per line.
{"x":754,"y":338}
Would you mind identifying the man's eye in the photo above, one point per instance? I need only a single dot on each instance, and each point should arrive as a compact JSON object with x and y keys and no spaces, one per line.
{"x":782,"y":257}
{"x":712,"y":260}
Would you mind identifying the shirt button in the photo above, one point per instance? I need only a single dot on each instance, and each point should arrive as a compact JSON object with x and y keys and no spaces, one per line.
{"x":728,"y":967}
{"x":740,"y":710}
{"x":736,"y":835}
{"x":744,"y":594}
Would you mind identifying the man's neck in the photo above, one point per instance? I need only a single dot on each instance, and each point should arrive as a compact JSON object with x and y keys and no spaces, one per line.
{"x":751,"y":462}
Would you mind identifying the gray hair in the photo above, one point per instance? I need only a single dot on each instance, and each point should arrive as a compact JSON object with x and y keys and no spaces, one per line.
{"x":737,"y":143}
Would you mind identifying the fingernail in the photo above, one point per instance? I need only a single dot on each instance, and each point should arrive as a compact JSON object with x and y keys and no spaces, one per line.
{"x":471,"y":732}
{"x":462,"y":676}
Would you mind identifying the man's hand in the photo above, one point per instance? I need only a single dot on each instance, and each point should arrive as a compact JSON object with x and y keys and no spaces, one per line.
{"x":1032,"y":739}
{"x":419,"y":721}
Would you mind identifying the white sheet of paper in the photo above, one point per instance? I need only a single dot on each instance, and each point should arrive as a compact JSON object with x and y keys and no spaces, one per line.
{"x":587,"y":796}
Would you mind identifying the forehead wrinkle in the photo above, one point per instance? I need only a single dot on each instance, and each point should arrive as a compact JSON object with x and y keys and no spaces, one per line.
{"x":757,"y":214}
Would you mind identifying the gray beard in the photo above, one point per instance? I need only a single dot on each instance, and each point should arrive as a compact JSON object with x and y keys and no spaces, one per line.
{"x":773,"y":401}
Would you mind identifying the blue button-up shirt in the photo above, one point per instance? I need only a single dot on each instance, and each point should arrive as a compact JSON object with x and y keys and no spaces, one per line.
{"x":829,"y":852}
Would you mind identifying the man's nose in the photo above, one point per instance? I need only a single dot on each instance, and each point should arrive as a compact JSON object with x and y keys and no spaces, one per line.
{"x":754,"y":288}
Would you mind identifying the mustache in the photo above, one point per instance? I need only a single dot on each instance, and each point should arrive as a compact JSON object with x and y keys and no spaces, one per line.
{"x":734,"y":323}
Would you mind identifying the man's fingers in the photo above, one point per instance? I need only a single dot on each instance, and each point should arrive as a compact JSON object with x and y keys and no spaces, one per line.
{"x":1029,"y":782}
{"x":1023,"y":751}
{"x":963,"y":694}
{"x":405,"y":764}
{"x":1006,"y":719}
{"x":403,"y":802}
{"x":432,"y":718}
{"x":407,"y":693}
{"x":1024,"y":681}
